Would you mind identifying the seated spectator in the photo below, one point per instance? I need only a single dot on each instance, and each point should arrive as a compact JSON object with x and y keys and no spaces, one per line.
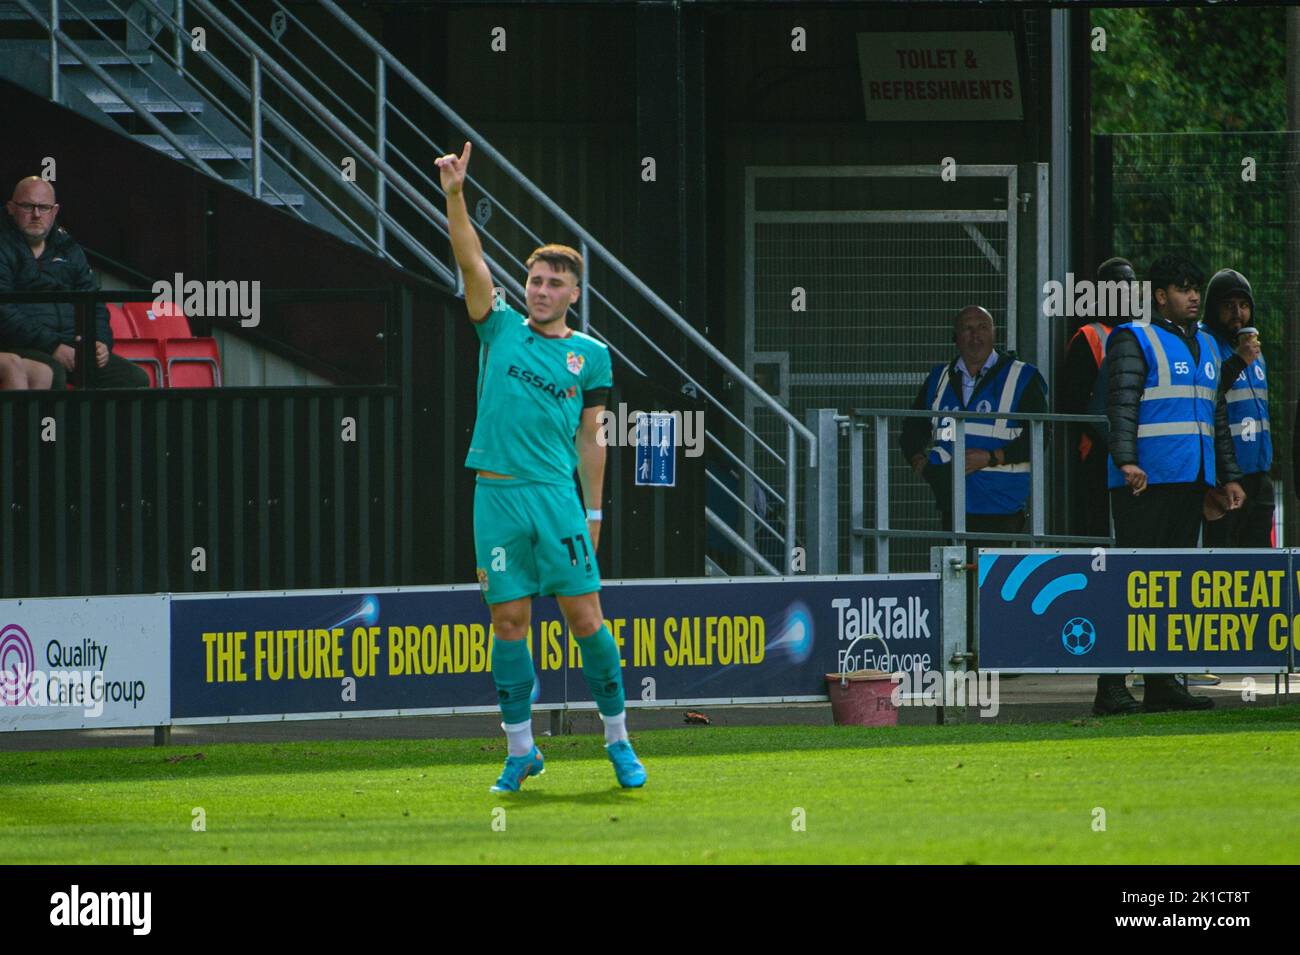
{"x":22,"y":374}
{"x":35,"y":256}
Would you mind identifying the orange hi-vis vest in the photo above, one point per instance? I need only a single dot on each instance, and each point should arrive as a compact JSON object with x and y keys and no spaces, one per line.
{"x":1096,"y":333}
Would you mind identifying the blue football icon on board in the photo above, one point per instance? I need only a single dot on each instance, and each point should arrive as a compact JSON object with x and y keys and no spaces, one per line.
{"x":1079,"y":636}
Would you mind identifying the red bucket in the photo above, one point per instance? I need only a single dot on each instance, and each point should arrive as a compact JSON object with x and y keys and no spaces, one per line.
{"x":862,"y":698}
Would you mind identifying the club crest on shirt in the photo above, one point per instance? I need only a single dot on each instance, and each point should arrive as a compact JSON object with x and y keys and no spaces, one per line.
{"x":482,"y":578}
{"x":574,"y":361}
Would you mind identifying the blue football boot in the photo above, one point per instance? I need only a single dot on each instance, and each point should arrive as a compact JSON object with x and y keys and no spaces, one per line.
{"x":519,"y":768}
{"x":628,"y":769}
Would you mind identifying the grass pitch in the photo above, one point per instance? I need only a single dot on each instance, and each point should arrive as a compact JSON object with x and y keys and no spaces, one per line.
{"x":1214,"y":787}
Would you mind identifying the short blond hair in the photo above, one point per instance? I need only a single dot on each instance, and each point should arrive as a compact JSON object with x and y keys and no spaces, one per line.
{"x":562,"y":258}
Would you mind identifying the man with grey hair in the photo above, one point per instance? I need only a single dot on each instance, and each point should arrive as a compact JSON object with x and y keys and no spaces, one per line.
{"x":37,"y":256}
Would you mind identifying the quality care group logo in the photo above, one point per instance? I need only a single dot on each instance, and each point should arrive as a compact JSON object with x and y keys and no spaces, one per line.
{"x":17,"y":665}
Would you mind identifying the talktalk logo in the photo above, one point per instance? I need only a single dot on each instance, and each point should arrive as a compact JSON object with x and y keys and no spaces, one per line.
{"x":17,"y":663}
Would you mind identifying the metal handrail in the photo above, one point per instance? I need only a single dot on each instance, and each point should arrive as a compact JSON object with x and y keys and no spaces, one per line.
{"x":319,"y":160}
{"x":795,"y":428}
{"x":310,"y":150}
{"x":84,"y":302}
{"x":375,"y":207}
{"x":162,"y":89}
{"x":321,"y":113}
{"x":337,"y":59}
{"x":747,"y":469}
{"x":685,"y":374}
{"x":859,"y":419}
{"x":610,"y":345}
{"x":735,"y":497}
{"x":740,"y":543}
{"x":552,"y":207}
{"x":383,"y":161}
{"x":421,"y":204}
{"x":238,"y":121}
{"x":102,"y":75}
{"x":1045,"y":416}
{"x":286,"y":128}
{"x":299,"y":63}
{"x":176,"y":59}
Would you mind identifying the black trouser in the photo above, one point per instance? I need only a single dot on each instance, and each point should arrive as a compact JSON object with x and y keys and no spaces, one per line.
{"x":1091,"y":500}
{"x":118,"y":373}
{"x":1164,"y":515}
{"x":1250,"y":525}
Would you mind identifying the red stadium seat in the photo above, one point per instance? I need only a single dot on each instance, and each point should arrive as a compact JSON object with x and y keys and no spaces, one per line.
{"x":145,"y":352}
{"x":168,"y":321}
{"x":119,"y":323}
{"x":192,"y":363}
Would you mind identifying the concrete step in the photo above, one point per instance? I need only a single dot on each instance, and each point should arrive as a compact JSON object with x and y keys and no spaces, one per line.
{"x":107,"y":58}
{"x":201,"y":146}
{"x":150,"y":99}
{"x":270,"y":198}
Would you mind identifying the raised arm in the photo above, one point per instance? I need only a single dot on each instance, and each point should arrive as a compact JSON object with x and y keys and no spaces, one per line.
{"x":464,"y":240}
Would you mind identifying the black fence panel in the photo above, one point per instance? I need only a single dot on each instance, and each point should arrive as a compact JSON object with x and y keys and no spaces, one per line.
{"x":229,"y":489}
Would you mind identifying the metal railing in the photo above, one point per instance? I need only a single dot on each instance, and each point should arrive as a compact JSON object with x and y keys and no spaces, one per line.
{"x":372,"y":219}
{"x":58,"y":38}
{"x":112,"y":491}
{"x":83,"y":304}
{"x":388,"y":66}
{"x":860,"y":420}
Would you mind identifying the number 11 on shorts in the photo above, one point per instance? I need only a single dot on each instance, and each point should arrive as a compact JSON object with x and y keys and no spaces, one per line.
{"x":573,"y":550}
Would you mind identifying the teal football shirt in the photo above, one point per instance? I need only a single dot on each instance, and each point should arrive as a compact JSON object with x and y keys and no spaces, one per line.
{"x":530,"y":390}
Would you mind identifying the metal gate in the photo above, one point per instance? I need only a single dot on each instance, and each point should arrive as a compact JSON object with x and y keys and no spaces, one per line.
{"x":852,"y":277}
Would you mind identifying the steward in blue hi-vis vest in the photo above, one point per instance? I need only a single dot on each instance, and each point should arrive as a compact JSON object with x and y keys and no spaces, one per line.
{"x":1175,"y":433}
{"x":998,"y":489}
{"x":1248,"y":414}
{"x":1247,"y":397}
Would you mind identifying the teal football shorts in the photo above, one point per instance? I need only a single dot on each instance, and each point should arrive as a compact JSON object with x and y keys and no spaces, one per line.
{"x":531,"y":539}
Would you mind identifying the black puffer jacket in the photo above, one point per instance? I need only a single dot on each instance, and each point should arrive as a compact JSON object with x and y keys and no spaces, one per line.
{"x":1127,"y":374}
{"x":62,"y":267}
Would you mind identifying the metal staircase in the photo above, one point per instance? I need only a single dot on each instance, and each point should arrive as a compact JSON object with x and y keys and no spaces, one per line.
{"x":213,"y":86}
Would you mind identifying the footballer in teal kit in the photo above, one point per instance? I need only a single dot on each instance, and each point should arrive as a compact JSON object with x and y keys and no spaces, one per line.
{"x":541,"y":389}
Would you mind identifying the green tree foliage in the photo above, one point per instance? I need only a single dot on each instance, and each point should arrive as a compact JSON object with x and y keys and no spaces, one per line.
{"x":1189,"y":69}
{"x":1221,"y":73}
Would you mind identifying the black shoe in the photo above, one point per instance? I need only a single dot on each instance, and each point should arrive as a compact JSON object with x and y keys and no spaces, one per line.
{"x":1165,"y":693}
{"x":1114,"y":700}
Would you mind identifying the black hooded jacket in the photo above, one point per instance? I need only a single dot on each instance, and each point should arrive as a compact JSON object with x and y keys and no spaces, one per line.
{"x":1224,"y":284}
{"x":1127,"y":375}
{"x":62,"y":267}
